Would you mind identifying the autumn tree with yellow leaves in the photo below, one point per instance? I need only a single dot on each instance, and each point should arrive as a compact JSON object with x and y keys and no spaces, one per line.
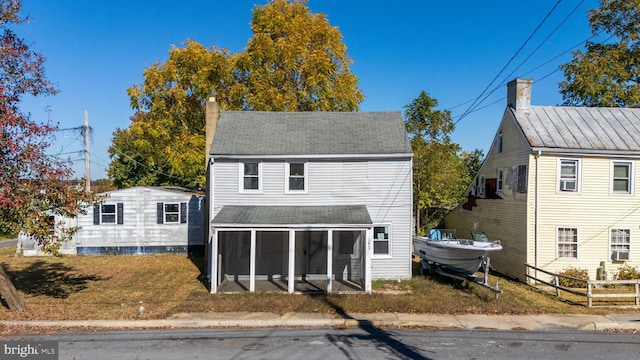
{"x":295,"y":61}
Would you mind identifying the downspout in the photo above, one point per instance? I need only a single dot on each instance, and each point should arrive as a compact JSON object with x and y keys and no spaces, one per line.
{"x":536,"y":212}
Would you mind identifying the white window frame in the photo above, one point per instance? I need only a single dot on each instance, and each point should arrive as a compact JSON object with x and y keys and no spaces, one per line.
{"x":481,"y":185}
{"x":114,"y":213}
{"x":241,"y":176}
{"x":565,"y":243}
{"x":561,"y":185}
{"x":288,"y":175}
{"x":166,"y":212}
{"x":629,"y":179}
{"x":499,"y":143}
{"x":500,"y":180}
{"x":389,"y":241}
{"x":615,"y":245}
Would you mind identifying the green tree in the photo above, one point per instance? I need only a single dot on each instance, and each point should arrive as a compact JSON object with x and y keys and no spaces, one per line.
{"x":472,"y":161}
{"x":607,"y":75}
{"x":295,"y":61}
{"x":439,"y":174}
{"x":33,"y":186}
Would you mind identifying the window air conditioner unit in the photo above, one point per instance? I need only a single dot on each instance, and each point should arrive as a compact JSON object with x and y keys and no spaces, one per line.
{"x":620,"y":255}
{"x":568,"y":185}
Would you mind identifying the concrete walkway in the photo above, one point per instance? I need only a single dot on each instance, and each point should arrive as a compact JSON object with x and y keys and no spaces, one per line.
{"x":626,"y":322}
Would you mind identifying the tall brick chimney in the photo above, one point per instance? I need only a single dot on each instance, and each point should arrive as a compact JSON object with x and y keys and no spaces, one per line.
{"x":519,"y":94}
{"x":212,"y":113}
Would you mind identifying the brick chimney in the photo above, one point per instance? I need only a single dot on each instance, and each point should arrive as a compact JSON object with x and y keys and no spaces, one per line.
{"x":519,"y":94}
{"x":212,"y":113}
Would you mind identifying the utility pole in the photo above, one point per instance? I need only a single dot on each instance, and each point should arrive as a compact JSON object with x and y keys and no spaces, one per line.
{"x":87,"y":182}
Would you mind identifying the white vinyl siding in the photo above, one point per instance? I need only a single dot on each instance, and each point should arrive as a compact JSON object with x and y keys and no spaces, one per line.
{"x":383,"y":186}
{"x":140,"y":227}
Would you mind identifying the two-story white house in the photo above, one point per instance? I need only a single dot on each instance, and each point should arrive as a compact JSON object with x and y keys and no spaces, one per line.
{"x":308,"y":201}
{"x":557,"y":187}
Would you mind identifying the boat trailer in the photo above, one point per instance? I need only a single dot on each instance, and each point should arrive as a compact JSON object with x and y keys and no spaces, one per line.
{"x":429,"y":267}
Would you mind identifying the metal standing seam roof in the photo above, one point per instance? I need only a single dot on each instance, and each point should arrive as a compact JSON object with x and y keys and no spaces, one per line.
{"x":293,"y":215}
{"x":310,"y":133}
{"x":587,"y":129}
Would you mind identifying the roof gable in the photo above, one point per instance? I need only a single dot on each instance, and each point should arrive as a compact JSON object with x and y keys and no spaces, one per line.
{"x":581,"y":128}
{"x":310,"y":133}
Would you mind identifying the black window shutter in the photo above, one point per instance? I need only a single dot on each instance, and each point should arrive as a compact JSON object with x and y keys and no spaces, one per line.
{"x":96,"y":214}
{"x":160,"y":212}
{"x":120,"y":210}
{"x":183,"y":213}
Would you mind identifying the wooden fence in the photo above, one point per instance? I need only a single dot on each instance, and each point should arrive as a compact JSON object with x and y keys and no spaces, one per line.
{"x":594,"y":288}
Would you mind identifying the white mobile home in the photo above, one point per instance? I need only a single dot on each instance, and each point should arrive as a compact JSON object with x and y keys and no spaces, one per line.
{"x":138,"y":220}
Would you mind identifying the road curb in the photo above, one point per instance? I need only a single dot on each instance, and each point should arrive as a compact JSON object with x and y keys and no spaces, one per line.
{"x":298,"y":320}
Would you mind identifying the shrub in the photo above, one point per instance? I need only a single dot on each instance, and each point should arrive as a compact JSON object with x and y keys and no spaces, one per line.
{"x":627,"y":272}
{"x":574,"y":273}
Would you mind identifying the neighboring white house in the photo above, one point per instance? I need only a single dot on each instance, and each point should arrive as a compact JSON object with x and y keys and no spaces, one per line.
{"x":557,"y":187}
{"x":138,"y":220}
{"x":303,"y":197}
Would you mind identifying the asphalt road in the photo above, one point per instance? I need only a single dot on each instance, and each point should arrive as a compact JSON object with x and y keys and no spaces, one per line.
{"x":362,"y":343}
{"x":7,"y":243}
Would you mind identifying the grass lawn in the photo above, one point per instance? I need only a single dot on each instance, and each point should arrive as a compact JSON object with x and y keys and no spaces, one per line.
{"x":113,"y":287}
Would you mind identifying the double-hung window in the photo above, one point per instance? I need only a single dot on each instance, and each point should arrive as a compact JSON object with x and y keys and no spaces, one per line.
{"x":567,"y":242}
{"x":481,"y":185}
{"x":172,"y":213}
{"x":108,"y":214}
{"x":569,"y":171}
{"x":500,"y":180}
{"x":620,"y":244}
{"x":297,"y":179}
{"x":250,"y":177}
{"x":621,"y":176}
{"x":381,"y":241}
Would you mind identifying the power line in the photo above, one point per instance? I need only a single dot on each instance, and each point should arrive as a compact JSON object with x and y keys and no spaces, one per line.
{"x":510,"y":60}
{"x":499,"y":86}
{"x":508,"y":77}
{"x":145,"y":166}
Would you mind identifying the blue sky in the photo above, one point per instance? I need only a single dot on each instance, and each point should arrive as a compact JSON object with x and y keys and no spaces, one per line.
{"x":453,"y":50}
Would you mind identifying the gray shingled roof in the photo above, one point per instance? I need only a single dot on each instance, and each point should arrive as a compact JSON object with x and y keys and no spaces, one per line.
{"x":581,"y":128}
{"x":292,"y":215}
{"x":310,"y":133}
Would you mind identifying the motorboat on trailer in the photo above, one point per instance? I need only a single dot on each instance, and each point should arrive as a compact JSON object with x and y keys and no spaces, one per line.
{"x":443,"y":252}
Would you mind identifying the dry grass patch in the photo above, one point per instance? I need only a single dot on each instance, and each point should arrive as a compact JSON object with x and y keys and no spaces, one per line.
{"x":115,"y":287}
